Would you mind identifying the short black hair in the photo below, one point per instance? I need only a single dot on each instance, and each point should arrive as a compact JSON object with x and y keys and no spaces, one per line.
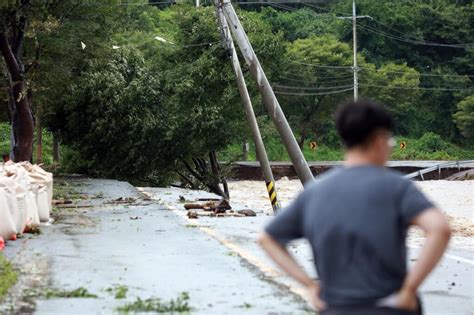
{"x":356,"y":121}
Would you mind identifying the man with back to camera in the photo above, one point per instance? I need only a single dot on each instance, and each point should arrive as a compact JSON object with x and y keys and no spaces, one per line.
{"x":356,"y":219}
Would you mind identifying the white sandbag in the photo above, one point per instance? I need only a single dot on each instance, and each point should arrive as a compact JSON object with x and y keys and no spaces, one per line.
{"x":44,"y":181}
{"x":49,"y":183}
{"x":7,"y":226}
{"x":27,"y":192}
{"x":20,"y":184}
{"x":44,"y":208}
{"x":7,"y":189}
{"x":32,"y":216}
{"x":21,"y":198}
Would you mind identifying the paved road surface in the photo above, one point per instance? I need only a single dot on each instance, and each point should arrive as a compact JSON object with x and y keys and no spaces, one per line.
{"x":157,"y":255}
{"x":161,"y":253}
{"x":450,"y":290}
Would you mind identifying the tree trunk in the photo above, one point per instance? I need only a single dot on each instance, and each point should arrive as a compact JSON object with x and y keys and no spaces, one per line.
{"x":302,"y":138}
{"x":20,"y":112}
{"x":245,"y":151}
{"x":39,"y":138}
{"x":56,"y":155}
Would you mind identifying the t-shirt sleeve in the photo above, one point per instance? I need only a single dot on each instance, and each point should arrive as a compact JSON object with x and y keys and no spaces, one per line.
{"x":413,"y":202}
{"x":287,"y":224}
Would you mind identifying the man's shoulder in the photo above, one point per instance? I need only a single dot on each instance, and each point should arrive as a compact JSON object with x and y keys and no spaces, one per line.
{"x":358,"y":175}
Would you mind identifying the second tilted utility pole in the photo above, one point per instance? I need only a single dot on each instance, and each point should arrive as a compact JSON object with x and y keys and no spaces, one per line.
{"x":247,"y":104}
{"x":269,"y":99}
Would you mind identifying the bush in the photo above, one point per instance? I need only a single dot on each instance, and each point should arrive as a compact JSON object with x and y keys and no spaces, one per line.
{"x":431,"y":142}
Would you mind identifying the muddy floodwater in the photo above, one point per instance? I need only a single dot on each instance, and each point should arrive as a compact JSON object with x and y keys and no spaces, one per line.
{"x":454,"y":198}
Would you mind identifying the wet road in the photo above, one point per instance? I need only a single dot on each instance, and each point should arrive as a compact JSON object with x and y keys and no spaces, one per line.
{"x":153,"y":249}
{"x":150,"y":250}
{"x":449,"y":290}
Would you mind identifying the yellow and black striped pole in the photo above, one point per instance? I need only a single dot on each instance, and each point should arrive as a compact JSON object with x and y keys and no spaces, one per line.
{"x":248,"y":108}
{"x":273,"y":196}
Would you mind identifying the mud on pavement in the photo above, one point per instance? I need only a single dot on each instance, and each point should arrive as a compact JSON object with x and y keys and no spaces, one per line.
{"x":114,"y":238}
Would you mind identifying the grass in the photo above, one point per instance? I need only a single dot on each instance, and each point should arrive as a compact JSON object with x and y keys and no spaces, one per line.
{"x":47,"y":143}
{"x":416,"y":149}
{"x":178,"y":305}
{"x":77,"y":293}
{"x":8,"y":276}
{"x":63,"y":190}
{"x":120,"y":291}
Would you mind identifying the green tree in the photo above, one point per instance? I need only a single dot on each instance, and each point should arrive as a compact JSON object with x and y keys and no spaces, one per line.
{"x":115,"y":120}
{"x":464,"y":117}
{"x":396,"y":86}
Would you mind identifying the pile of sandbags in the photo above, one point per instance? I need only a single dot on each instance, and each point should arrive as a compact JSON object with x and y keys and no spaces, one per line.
{"x":26,"y":193}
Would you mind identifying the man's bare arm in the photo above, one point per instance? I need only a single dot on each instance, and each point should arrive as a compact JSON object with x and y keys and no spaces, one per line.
{"x":285,"y":261}
{"x":438,"y":233}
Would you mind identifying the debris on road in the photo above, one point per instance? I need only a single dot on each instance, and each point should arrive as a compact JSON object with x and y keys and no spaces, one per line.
{"x":190,"y":206}
{"x":156,"y":305}
{"x":61,"y":202}
{"x":219,"y":206}
{"x":77,"y":293}
{"x":122,"y":200}
{"x":192,"y":214}
{"x":248,"y":213}
{"x":213,"y":207}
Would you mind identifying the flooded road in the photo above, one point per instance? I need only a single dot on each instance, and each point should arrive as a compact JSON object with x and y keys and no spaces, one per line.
{"x":148,"y":247}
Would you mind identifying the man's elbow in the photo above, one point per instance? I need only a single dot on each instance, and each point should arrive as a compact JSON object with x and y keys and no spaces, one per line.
{"x":441,"y":228}
{"x":435,"y":223}
{"x":264,"y":240}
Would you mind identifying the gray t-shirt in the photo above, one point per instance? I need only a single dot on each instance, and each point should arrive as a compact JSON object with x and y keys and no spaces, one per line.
{"x":356,"y":221}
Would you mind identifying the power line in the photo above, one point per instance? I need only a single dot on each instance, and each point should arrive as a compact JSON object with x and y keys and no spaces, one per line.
{"x":422,"y":74}
{"x":367,"y":82}
{"x":406,"y":39}
{"x":312,"y":94}
{"x":426,"y":42}
{"x":411,"y":41}
{"x":318,"y":81}
{"x":416,"y":88}
{"x":312,"y":88}
{"x":349,"y":68}
{"x":317,"y":76}
{"x":320,"y":66}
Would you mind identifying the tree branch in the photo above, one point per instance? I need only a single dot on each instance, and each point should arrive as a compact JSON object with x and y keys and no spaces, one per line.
{"x":19,"y":40}
{"x":10,"y":60}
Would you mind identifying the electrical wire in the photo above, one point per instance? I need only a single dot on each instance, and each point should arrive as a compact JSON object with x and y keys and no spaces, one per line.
{"x":320,"y":66}
{"x":318,"y":81}
{"x":414,"y":88}
{"x":370,"y":69}
{"x":312,"y":88}
{"x":406,"y":38}
{"x":313,"y":94}
{"x":411,"y":41}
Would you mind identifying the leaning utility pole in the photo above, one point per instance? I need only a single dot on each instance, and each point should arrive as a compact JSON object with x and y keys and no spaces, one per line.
{"x":247,"y":104}
{"x":269,"y":99}
{"x":356,"y":69}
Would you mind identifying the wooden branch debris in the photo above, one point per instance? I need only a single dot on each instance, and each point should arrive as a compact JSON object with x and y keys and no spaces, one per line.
{"x":215,"y":209}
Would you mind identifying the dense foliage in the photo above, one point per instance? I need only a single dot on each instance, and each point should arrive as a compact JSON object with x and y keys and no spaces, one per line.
{"x":133,"y":89}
